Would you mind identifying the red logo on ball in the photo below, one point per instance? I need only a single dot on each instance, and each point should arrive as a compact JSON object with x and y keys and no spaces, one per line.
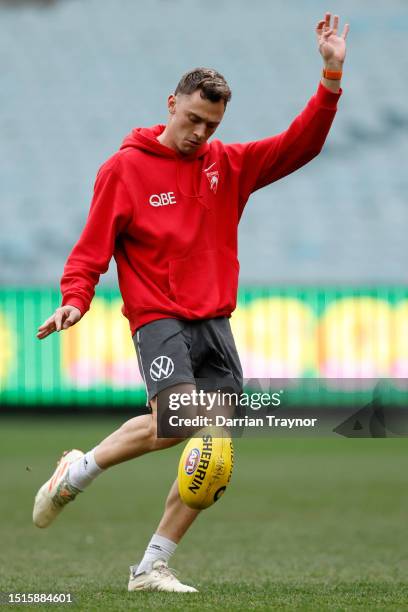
{"x":192,"y":461}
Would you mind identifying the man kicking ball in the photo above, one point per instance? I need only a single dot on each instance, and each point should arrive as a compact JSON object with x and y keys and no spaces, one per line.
{"x":167,"y":207}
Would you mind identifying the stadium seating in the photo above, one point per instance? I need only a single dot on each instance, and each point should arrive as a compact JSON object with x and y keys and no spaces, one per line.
{"x":77,"y":76}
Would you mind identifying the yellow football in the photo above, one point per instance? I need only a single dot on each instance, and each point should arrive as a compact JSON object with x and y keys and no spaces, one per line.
{"x":205,"y":468}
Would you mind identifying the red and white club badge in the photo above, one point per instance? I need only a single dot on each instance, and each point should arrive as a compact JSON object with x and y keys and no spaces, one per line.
{"x":213,"y":177}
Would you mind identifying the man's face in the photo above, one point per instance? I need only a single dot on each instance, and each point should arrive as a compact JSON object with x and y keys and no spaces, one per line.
{"x":193,"y":120}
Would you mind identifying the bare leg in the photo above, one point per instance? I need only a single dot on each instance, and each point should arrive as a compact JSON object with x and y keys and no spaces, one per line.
{"x":135,"y":437}
{"x":177,"y":517}
{"x":132,"y":438}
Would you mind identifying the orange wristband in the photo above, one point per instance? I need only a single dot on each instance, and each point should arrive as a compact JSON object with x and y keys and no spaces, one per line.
{"x":332,"y":75}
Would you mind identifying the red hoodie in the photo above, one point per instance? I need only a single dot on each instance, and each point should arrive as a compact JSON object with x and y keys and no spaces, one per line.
{"x":171,"y":221}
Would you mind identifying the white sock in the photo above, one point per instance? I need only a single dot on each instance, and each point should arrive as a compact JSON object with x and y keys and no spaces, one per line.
{"x":83,"y":471}
{"x":158,"y":548}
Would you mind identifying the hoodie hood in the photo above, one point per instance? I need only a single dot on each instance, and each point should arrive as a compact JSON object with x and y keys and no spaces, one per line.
{"x":145,"y":139}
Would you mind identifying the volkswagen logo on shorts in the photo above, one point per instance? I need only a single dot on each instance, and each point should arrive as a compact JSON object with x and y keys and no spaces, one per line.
{"x":161,"y":367}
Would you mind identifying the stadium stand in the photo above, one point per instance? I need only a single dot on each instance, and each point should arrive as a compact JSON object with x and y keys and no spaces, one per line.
{"x":77,"y":76}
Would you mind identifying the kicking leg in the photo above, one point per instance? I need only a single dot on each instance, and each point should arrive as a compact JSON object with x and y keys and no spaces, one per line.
{"x":76,"y":470}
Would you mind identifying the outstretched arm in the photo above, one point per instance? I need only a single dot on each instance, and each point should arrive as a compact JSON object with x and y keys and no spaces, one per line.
{"x":262,"y":162}
{"x":332,"y":48}
{"x":111,"y":211}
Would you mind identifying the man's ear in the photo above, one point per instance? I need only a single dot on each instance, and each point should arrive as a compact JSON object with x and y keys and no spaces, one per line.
{"x":171,"y":104}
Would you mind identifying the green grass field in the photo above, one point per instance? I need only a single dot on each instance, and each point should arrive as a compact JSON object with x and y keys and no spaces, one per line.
{"x":315,"y":524}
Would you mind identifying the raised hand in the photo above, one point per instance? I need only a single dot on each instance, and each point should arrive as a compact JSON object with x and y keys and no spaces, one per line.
{"x":332,"y":46}
{"x":63,"y":317}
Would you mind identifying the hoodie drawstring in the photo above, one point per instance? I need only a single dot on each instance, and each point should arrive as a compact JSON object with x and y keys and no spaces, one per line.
{"x":198,"y":196}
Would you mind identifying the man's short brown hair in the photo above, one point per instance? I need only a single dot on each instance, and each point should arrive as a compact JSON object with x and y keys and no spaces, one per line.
{"x":210,"y":83}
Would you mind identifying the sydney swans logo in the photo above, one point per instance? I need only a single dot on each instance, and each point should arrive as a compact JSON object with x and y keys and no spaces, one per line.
{"x":213,"y":177}
{"x":161,"y":367}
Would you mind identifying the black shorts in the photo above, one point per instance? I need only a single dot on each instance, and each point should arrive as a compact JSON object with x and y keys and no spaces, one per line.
{"x":203,"y":352}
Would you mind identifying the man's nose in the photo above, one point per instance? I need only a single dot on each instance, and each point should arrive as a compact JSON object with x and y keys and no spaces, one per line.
{"x":199,"y":132}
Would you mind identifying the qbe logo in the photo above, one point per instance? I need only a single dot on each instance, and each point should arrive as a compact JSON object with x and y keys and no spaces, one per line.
{"x":162,"y":199}
{"x":161,"y":367}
